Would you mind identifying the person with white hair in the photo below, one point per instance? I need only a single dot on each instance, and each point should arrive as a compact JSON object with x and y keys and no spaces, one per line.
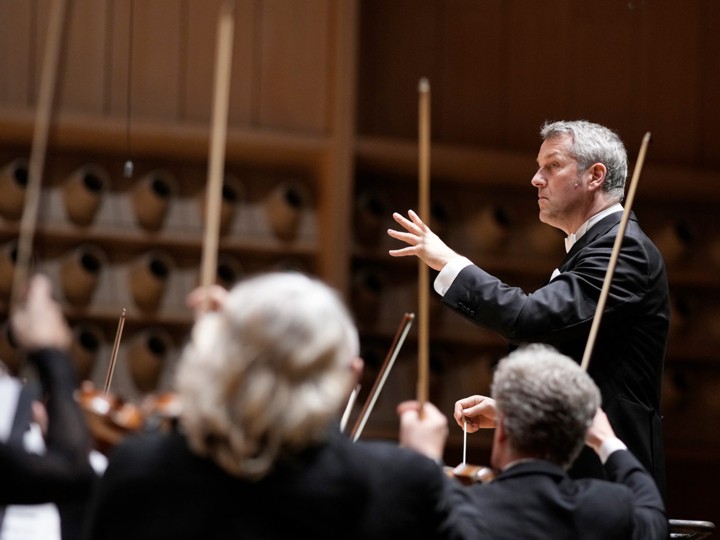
{"x":258,"y":452}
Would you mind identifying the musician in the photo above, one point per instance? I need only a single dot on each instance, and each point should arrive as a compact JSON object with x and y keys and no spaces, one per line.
{"x":580,"y":182}
{"x":544,"y":408}
{"x":45,"y":444}
{"x":258,"y":452}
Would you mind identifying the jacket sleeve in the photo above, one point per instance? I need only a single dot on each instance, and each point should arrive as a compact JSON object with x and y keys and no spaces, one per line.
{"x":63,"y":471}
{"x":649,"y":511}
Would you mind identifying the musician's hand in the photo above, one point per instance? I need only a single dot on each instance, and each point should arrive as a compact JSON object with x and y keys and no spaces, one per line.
{"x":423,"y":243}
{"x":39,"y":321}
{"x":477,"y":411}
{"x":600,"y":430}
{"x":428,"y":434}
{"x":209,"y":298}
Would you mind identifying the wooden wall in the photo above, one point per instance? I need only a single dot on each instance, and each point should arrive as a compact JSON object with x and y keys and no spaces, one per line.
{"x":324,"y":92}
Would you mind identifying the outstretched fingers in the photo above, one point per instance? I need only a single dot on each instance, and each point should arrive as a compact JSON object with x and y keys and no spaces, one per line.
{"x":412,"y":235}
{"x":414,"y":225}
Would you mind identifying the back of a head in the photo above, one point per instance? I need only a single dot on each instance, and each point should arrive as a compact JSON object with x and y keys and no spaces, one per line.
{"x":547,"y":402}
{"x":266,"y":375}
{"x":593,"y":143}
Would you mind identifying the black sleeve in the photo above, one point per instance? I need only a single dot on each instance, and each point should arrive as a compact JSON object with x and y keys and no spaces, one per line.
{"x":64,"y":471}
{"x":649,"y":510}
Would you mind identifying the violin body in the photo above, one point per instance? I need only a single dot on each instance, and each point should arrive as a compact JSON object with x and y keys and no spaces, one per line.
{"x":111,"y":418}
{"x":471,"y":474}
{"x":161,"y":411}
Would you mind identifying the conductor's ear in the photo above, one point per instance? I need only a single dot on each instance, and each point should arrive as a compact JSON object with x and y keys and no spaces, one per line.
{"x":597,"y":175}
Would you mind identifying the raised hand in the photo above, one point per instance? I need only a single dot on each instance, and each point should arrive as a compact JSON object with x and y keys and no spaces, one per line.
{"x":39,"y":321}
{"x":426,"y":434}
{"x":422,"y":242}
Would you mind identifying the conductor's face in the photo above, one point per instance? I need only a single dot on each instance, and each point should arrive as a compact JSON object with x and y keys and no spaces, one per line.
{"x":562,"y":194}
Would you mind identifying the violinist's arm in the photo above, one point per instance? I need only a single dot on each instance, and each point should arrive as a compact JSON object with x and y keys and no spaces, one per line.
{"x":63,"y":471}
{"x":478,"y":411}
{"x":601,"y":437}
{"x":426,"y":435}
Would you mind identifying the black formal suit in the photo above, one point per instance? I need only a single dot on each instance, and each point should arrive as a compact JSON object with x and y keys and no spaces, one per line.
{"x":154,"y":488}
{"x":63,"y":473}
{"x":629,"y":352}
{"x":538,"y":500}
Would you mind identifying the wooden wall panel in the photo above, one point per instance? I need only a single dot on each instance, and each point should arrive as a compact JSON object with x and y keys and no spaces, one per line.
{"x":200,"y":50}
{"x":605,"y":64}
{"x":399,"y":45}
{"x":281,"y":61}
{"x":473,"y":107}
{"x":667,"y":79}
{"x":39,"y":32}
{"x":120,"y":49}
{"x":81,"y":81}
{"x":295,"y":55}
{"x":540,"y":55}
{"x":500,"y":69}
{"x":16,"y":51}
{"x":708,"y":84}
{"x":246,"y":63}
{"x":157,"y":63}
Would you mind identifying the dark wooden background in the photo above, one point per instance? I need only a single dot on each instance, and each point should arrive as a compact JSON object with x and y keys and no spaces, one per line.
{"x":324,"y":99}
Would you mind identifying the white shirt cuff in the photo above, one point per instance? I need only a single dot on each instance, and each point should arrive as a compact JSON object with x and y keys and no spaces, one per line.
{"x":448,"y":274}
{"x":609,"y":446}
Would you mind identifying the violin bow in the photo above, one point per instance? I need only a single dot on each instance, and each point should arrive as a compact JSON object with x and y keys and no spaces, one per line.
{"x":39,"y":149}
{"x":423,"y":270}
{"x":615,"y":253}
{"x":218,"y":138}
{"x":398,"y":341}
{"x":113,"y":356}
{"x":349,"y":406}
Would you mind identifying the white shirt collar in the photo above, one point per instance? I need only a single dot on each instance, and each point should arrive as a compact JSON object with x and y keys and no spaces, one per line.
{"x":574,"y":237}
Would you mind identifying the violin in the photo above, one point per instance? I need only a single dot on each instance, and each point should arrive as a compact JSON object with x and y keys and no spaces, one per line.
{"x":470,"y":474}
{"x":161,"y":411}
{"x":110,"y":418}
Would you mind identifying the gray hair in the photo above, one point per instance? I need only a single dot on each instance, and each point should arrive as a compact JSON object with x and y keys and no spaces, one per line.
{"x":593,"y":143}
{"x":267,"y":374}
{"x":546,"y":401}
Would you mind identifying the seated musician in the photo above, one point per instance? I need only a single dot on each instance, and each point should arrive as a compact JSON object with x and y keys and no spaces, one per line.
{"x":544,"y":407}
{"x":258,"y":452}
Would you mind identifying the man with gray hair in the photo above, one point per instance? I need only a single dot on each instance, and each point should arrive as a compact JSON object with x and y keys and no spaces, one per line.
{"x":545,"y":408}
{"x":580,"y":182}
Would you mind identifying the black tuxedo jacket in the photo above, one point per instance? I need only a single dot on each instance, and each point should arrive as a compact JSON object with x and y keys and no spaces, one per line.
{"x":155,"y":488}
{"x":629,"y":351}
{"x":538,"y":500}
